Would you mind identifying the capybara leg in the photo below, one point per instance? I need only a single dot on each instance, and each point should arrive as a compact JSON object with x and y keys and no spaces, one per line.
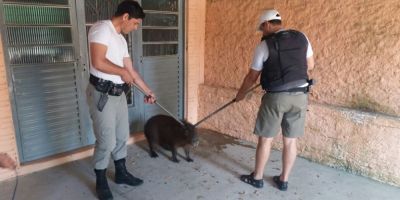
{"x":174,"y":158}
{"x":153,"y":154}
{"x":187,"y":152}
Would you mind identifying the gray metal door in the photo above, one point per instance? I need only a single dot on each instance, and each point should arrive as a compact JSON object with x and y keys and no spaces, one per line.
{"x":41,"y":50}
{"x":160,"y":54}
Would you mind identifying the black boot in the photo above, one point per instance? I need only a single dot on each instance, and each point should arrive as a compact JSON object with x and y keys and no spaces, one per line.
{"x":102,"y":189}
{"x":122,"y":176}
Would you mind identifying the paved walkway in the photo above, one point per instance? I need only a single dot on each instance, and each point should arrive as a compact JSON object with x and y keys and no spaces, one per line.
{"x":218,"y":161}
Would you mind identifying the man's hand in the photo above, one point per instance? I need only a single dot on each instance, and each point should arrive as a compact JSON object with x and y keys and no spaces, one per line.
{"x":248,"y":81}
{"x":240,"y":96}
{"x":150,"y":98}
{"x":6,"y":161}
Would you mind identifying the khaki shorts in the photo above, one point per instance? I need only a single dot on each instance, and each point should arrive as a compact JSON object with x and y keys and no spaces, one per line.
{"x":286,"y":110}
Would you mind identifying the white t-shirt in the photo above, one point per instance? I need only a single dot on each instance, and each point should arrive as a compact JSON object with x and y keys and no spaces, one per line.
{"x":103,"y":32}
{"x":261,"y":54}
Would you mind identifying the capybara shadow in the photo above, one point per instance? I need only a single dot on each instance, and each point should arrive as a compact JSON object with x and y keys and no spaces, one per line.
{"x":165,"y":131}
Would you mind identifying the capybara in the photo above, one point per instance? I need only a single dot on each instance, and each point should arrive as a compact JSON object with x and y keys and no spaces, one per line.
{"x":166,"y":132}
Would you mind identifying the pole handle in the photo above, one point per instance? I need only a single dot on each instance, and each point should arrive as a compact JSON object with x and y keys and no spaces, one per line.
{"x":224,"y":106}
{"x":159,"y":105}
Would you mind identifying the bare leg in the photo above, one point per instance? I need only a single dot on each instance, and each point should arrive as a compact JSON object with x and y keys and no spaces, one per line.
{"x":288,"y":157}
{"x":262,"y":155}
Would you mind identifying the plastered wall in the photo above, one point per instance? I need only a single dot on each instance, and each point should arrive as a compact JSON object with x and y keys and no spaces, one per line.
{"x":195,"y":37}
{"x":353,"y":121}
{"x":7,"y":134}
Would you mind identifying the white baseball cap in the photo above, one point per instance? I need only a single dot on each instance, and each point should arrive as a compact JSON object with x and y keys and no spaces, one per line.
{"x":268,"y":15}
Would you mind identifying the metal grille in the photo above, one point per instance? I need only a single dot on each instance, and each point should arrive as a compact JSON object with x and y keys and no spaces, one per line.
{"x":161,"y":51}
{"x":40,"y":54}
{"x":163,"y":5}
{"x":42,"y":61}
{"x":39,"y":35}
{"x":160,"y":28}
{"x":36,"y":15}
{"x":47,"y":109}
{"x":56,"y":2}
{"x":100,"y":9}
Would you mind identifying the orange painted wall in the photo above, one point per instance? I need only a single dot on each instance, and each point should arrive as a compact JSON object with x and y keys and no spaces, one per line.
{"x":7,"y":133}
{"x":353,"y":121}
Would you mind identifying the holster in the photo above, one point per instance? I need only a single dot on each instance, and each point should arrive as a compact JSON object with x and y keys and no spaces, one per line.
{"x":310,"y":83}
{"x":102,"y":101}
{"x":106,"y":86}
{"x":126,"y":88}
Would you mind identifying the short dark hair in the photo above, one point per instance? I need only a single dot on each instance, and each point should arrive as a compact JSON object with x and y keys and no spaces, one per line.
{"x":131,"y":7}
{"x":275,"y":22}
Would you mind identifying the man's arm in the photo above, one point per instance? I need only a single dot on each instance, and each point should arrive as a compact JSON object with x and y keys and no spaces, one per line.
{"x":310,"y":64}
{"x":248,"y":81}
{"x":138,"y":80}
{"x":101,"y":63}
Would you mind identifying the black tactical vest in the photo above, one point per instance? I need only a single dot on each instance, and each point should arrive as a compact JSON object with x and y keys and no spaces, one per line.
{"x":286,"y":66}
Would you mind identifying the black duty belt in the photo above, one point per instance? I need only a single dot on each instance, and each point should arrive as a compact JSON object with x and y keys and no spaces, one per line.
{"x":297,"y":89}
{"x":106,"y":86}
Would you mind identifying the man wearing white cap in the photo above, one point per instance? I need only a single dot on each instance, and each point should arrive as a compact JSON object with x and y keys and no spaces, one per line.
{"x":283,"y":59}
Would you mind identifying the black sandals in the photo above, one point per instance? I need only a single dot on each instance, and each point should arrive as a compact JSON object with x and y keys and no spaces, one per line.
{"x":249,"y":179}
{"x":282,"y":185}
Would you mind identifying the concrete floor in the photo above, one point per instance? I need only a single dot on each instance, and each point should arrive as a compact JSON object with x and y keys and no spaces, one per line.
{"x":218,"y":162}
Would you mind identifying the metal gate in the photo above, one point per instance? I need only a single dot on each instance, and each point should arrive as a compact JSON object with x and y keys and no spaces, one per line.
{"x":160,"y":53}
{"x":41,"y":51}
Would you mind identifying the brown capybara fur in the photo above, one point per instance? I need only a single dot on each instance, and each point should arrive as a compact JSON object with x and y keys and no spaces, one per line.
{"x":166,"y":132}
